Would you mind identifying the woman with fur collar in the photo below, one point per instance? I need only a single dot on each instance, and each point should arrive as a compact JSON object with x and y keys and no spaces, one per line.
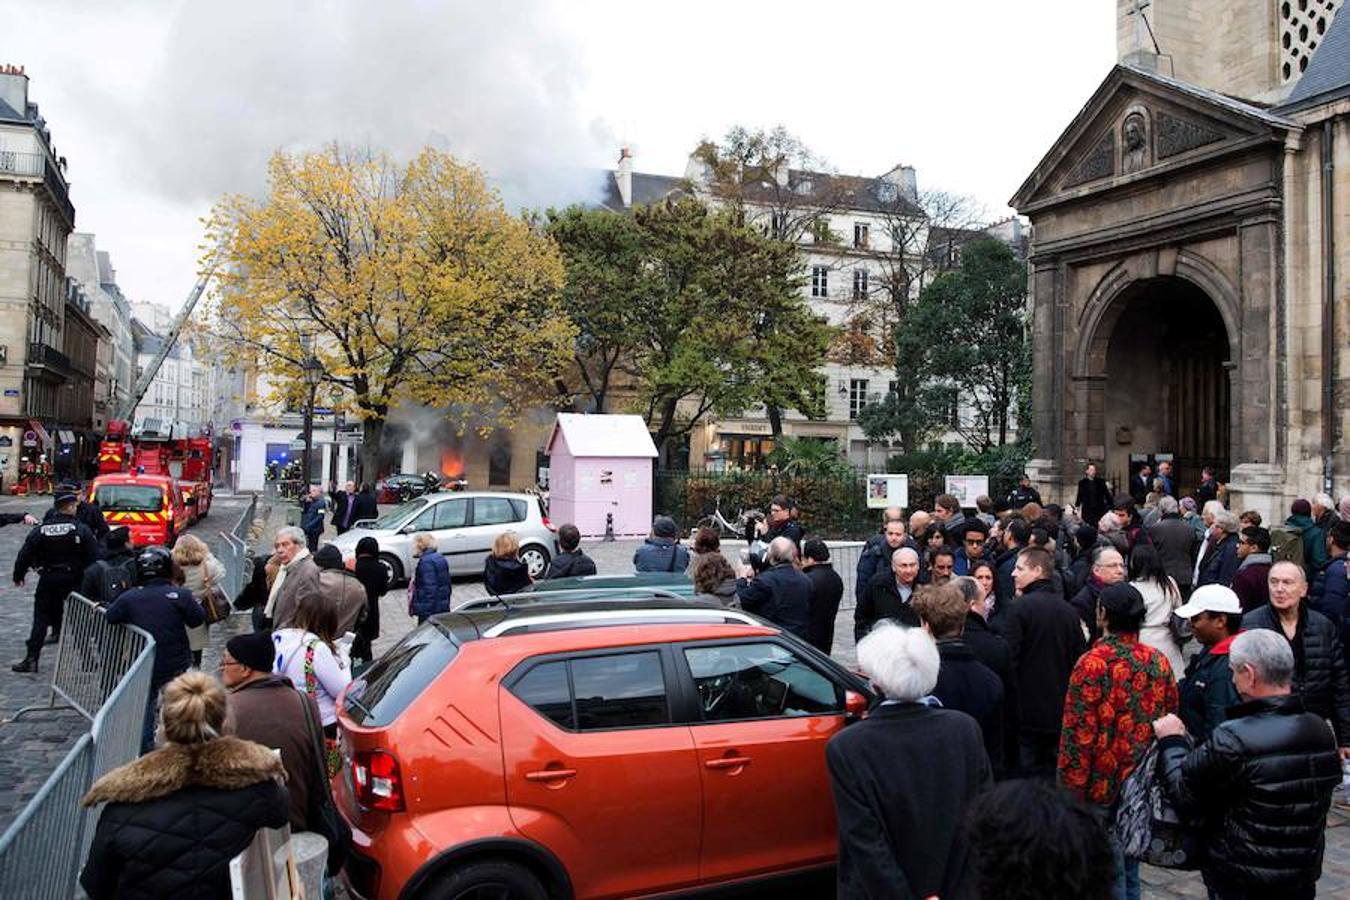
{"x":176,"y":817}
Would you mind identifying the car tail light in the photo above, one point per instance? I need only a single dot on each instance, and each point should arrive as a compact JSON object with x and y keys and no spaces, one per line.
{"x":549,"y":525}
{"x":377,"y":780}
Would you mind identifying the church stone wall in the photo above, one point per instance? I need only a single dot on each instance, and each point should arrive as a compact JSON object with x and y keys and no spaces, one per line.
{"x":1245,"y":63}
{"x":1305,"y":262}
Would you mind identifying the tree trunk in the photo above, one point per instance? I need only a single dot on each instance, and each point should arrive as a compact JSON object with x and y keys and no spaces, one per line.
{"x":372,"y":435}
{"x":775,"y":420}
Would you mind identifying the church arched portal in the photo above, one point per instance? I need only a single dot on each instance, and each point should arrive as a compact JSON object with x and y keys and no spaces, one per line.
{"x":1161,"y":354}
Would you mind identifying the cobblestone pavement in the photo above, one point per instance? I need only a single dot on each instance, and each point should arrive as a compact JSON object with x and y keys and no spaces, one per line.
{"x":31,"y":747}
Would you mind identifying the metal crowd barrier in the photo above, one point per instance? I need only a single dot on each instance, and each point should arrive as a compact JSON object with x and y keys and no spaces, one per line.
{"x":844,"y":556}
{"x":92,"y":659}
{"x":44,"y":849}
{"x":234,"y":551}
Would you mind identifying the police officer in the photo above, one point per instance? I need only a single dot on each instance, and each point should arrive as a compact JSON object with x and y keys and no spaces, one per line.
{"x":61,"y":548}
{"x":166,"y":610}
{"x":88,"y":512}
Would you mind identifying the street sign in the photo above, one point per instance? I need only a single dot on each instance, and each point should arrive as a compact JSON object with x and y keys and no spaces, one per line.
{"x":11,"y":392}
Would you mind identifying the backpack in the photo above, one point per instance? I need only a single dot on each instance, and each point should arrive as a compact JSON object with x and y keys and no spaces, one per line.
{"x":115,"y":579}
{"x":1147,"y":826}
{"x":1286,"y":544}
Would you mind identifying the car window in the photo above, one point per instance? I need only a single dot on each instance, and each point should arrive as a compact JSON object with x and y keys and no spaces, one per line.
{"x":756,"y":681}
{"x":395,"y":680}
{"x":619,"y":691}
{"x":452,"y":514}
{"x":495,"y":511}
{"x":426,"y":521}
{"x":394,"y":516}
{"x":545,"y":689}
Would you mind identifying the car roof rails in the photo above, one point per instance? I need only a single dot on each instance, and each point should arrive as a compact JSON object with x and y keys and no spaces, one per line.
{"x":578,"y":596}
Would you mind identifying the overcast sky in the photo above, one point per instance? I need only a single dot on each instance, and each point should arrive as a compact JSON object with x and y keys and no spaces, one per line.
{"x":161,"y":106}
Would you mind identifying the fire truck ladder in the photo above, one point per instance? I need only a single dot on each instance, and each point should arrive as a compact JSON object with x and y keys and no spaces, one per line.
{"x":143,"y":383}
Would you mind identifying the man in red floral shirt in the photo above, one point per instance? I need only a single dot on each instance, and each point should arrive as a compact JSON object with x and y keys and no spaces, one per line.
{"x":1115,"y":692}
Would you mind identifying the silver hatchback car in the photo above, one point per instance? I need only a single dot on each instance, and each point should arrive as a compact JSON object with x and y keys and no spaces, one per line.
{"x":464,"y":524}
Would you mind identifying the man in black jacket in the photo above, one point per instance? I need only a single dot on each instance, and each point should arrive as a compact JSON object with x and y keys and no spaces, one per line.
{"x":61,"y":548}
{"x":1262,"y":780}
{"x":827,"y":589}
{"x":571,"y":561}
{"x":990,"y":648}
{"x":1045,"y":637}
{"x":1094,"y":497}
{"x":1141,"y":484}
{"x":964,"y":683}
{"x":900,"y":805}
{"x":888,"y":594}
{"x":1207,"y":691}
{"x":876,"y":553}
{"x":1320,"y":677}
{"x":364,"y":506}
{"x":781,"y":593}
{"x":1023,"y":494}
{"x":1175,"y":542}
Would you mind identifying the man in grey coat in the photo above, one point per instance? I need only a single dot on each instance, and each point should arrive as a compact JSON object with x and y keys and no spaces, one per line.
{"x":1175,"y":541}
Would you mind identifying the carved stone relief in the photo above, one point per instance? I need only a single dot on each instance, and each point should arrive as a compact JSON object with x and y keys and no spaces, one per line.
{"x":1099,"y":162}
{"x":1179,"y":135}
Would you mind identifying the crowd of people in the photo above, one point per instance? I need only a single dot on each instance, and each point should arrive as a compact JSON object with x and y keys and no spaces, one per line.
{"x":1064,"y":659}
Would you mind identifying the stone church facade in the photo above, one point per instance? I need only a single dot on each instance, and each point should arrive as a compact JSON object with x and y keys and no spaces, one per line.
{"x":1190,"y":259}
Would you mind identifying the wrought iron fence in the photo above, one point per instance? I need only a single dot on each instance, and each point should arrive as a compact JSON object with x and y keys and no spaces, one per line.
{"x":833,"y":507}
{"x":43,"y":850}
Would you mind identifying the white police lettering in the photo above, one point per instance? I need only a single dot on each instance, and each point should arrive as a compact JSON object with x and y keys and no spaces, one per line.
{"x":58,"y":530}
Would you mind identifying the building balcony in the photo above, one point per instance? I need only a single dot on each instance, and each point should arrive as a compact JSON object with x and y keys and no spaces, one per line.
{"x":49,"y":361}
{"x":39,"y":165}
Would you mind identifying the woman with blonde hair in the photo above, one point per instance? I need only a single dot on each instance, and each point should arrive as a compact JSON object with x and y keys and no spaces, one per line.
{"x":202,"y":572}
{"x":504,"y":573}
{"x":429,"y":588}
{"x":202,"y":789}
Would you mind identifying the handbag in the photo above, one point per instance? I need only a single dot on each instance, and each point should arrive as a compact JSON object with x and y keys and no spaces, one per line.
{"x":332,"y":757}
{"x":1179,"y":628}
{"x":323,"y":815}
{"x":214,"y":603}
{"x":1147,"y":826}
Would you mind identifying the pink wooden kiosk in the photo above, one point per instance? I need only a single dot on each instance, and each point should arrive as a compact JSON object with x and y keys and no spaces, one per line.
{"x":601,"y":465}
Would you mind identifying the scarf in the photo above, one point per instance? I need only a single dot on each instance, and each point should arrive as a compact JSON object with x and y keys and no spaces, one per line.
{"x":281,"y":579}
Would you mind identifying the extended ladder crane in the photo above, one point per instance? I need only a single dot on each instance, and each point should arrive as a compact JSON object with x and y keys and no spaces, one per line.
{"x":138,"y":392}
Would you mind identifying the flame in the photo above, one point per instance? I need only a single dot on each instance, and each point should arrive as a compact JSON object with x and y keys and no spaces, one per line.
{"x":452,"y":464}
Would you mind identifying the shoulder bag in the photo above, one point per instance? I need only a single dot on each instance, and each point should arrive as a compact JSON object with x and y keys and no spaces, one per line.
{"x":323,"y":815}
{"x":1147,"y":826}
{"x":214,"y":603}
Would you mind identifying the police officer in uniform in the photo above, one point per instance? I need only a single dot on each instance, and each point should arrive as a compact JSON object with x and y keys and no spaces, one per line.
{"x":167,"y":611}
{"x":88,"y":512}
{"x":61,"y":548}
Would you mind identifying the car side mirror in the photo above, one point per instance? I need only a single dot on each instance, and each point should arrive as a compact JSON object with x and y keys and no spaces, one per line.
{"x":855,"y":706}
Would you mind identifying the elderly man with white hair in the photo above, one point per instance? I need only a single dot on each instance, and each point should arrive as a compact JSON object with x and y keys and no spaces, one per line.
{"x":1262,"y":780}
{"x":781,"y":593}
{"x":296,"y":573}
{"x":1218,"y":562}
{"x":888,"y":594}
{"x":900,"y":805}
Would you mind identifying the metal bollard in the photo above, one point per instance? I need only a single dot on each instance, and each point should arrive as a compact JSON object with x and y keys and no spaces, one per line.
{"x":609,"y":527}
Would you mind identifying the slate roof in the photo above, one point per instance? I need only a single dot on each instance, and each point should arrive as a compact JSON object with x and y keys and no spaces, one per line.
{"x":854,"y":192}
{"x":647,"y":189}
{"x":9,"y":113}
{"x":1328,"y":71}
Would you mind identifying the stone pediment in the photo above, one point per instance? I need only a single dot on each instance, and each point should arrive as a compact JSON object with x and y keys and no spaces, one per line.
{"x":1139,"y":124}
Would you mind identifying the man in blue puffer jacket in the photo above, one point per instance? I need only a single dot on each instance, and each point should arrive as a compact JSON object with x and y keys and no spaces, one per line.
{"x":1330,"y":593}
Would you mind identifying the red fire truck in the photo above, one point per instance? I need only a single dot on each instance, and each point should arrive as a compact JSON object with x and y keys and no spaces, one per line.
{"x":154,"y":480}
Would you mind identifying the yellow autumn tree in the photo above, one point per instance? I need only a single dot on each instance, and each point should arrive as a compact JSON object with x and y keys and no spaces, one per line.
{"x":408,"y":282}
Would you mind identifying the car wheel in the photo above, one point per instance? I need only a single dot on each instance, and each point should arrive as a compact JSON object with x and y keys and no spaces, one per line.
{"x":487,"y":880}
{"x":393,"y":570}
{"x":535,"y":559}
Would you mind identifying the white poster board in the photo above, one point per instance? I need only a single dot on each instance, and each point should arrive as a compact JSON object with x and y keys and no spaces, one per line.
{"x":887,"y":490}
{"x":965,"y":488}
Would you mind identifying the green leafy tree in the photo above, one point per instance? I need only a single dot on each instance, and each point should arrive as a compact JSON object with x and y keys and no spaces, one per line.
{"x":972,"y":324}
{"x":608,"y":289}
{"x":694,"y":312}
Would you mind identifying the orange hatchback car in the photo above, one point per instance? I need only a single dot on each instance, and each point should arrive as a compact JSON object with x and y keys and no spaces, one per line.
{"x":615,"y":748}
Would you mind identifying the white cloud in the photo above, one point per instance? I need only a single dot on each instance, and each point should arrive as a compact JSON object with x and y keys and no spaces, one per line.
{"x":162,"y":106}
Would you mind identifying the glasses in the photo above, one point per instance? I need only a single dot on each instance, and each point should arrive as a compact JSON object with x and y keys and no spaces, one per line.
{"x":974,"y":542}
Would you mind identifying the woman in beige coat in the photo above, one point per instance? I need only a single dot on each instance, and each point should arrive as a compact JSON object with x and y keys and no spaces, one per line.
{"x":201,"y":571}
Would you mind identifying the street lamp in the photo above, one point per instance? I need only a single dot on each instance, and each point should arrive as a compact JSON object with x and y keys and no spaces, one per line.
{"x":337,"y":424}
{"x":312,"y":369}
